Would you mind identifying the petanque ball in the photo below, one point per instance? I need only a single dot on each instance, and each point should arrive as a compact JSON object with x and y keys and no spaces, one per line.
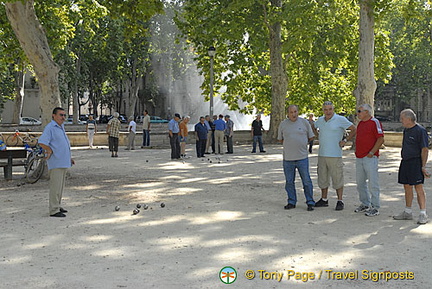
{"x":138,"y":206}
{"x":117,"y":208}
{"x":162,"y":205}
{"x":136,"y":211}
{"x":145,"y":206}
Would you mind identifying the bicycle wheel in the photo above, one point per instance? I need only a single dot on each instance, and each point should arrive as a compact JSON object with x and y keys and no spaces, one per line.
{"x":12,"y":140}
{"x":35,"y":169}
{"x":30,"y":140}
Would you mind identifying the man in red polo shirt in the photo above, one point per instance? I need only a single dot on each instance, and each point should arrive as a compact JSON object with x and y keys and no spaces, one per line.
{"x":370,"y":137}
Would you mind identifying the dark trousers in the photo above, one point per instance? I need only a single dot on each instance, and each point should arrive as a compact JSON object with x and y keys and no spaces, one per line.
{"x":213,"y":142}
{"x":229,"y":140}
{"x":113,"y":143}
{"x":146,"y":138}
{"x":175,"y":146}
{"x":200,"y":147}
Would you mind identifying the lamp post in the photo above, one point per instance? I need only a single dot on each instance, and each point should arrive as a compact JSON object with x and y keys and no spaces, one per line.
{"x":211,"y":53}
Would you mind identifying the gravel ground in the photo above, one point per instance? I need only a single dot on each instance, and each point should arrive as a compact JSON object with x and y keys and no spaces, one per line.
{"x":219,"y":212}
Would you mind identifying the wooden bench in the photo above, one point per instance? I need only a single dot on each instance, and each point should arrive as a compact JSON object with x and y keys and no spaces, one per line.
{"x":14,"y":157}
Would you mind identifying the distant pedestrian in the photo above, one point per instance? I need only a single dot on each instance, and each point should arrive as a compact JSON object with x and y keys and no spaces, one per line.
{"x":412,"y":169}
{"x":311,"y":122}
{"x":257,"y":131}
{"x":91,"y":129}
{"x":57,"y":150}
{"x":295,"y":134}
{"x":183,"y":135}
{"x":220,"y":127}
{"x":332,"y":128}
{"x":113,"y":131}
{"x":173,"y":131}
{"x":209,"y":124}
{"x":132,"y":133}
{"x":370,"y":137}
{"x":146,"y":130}
{"x":229,"y":133}
{"x":201,"y":133}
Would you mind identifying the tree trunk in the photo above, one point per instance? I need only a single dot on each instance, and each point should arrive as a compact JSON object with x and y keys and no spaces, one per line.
{"x":34,"y":43}
{"x":75,"y":95}
{"x":133,"y":90}
{"x":19,"y":98}
{"x":366,"y":84}
{"x":278,"y":75}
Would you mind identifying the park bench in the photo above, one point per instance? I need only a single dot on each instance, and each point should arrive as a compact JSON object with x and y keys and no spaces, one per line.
{"x":13,"y":157}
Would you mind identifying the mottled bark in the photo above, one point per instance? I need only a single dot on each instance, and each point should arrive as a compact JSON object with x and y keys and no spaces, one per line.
{"x":366,"y":84}
{"x":133,"y":89}
{"x":34,"y":43}
{"x":19,"y":96}
{"x":278,"y":75}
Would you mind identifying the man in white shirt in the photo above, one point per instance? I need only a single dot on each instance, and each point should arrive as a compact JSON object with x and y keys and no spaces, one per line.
{"x":132,"y":133}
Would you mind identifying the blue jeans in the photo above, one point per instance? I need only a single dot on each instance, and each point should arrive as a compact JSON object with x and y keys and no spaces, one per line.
{"x":303,"y":168}
{"x":146,"y":138}
{"x":257,"y":138}
{"x":368,"y":181}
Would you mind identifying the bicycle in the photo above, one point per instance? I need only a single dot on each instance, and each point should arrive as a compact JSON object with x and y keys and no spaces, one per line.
{"x":13,"y":139}
{"x":35,"y":164}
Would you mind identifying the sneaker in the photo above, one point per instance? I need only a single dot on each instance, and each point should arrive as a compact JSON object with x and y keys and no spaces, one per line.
{"x":262,"y":151}
{"x":289,"y":206}
{"x":310,"y":207}
{"x":339,"y":206}
{"x":403,"y":216}
{"x":423,"y":219}
{"x":321,"y":203}
{"x":252,"y":152}
{"x":372,"y":212}
{"x":361,"y":208}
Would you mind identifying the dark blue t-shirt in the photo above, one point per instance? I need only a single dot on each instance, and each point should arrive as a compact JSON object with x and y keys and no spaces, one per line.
{"x":414,"y":139}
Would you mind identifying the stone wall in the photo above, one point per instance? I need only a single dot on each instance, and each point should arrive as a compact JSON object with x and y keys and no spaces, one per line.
{"x":392,"y":139}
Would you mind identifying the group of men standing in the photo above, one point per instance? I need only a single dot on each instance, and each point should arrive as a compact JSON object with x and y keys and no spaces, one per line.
{"x":296,"y":133}
{"x":209,"y":133}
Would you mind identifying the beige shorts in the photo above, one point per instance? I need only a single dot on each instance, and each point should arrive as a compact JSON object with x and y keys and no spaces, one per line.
{"x":330,"y":167}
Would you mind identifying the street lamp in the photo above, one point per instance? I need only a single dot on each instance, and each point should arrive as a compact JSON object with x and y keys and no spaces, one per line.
{"x":211,"y":53}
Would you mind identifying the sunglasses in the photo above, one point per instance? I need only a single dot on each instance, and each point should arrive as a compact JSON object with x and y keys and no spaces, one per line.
{"x":360,"y":111}
{"x":63,"y":114}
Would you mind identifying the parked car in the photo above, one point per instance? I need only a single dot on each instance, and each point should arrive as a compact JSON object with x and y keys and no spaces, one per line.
{"x":382,"y":118}
{"x":69,"y":120}
{"x":104,"y":118}
{"x":157,"y":119}
{"x":123,"y":119}
{"x":29,"y":121}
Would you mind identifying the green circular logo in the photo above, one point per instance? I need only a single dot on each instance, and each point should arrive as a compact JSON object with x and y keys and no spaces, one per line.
{"x":228,"y":275}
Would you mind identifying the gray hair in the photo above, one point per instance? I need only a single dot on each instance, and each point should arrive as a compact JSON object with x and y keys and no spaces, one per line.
{"x":328,"y":103}
{"x":186,"y":117}
{"x":366,"y":107}
{"x":116,"y":114}
{"x":292,"y":105}
{"x":410,"y":114}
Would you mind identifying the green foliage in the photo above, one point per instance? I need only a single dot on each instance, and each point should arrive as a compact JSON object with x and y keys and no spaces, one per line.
{"x":411,"y":44}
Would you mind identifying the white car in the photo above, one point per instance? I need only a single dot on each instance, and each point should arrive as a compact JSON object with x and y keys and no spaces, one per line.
{"x":29,"y":121}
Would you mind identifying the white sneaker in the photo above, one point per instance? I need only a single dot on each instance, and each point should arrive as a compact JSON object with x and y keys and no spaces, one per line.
{"x":403,"y":216}
{"x":423,"y":219}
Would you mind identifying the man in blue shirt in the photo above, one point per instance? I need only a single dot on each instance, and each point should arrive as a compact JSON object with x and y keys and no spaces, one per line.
{"x":220,"y":127}
{"x":173,"y":130}
{"x":201,"y":132}
{"x":56,"y":145}
{"x":332,"y":128}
